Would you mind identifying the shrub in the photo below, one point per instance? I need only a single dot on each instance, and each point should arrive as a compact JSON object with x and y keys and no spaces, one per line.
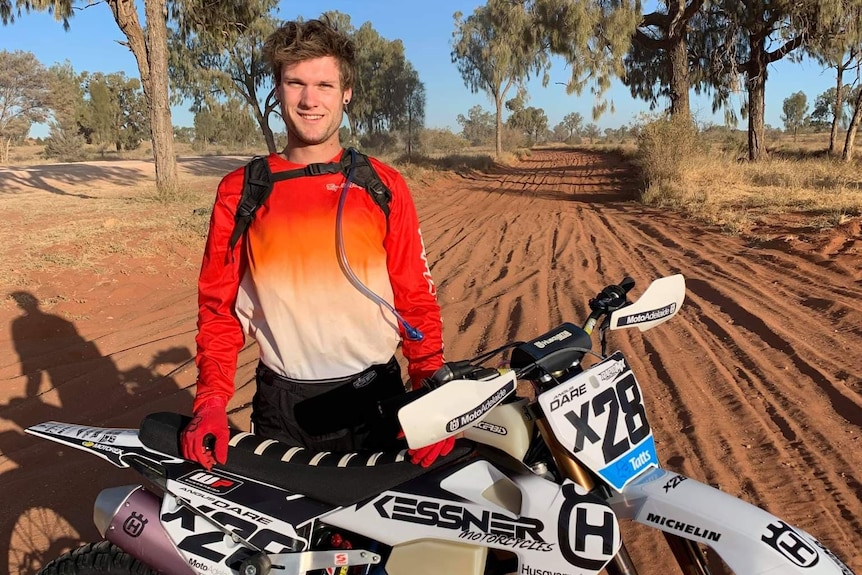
{"x":664,"y":147}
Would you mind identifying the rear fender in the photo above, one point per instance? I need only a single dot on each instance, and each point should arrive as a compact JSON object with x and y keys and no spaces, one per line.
{"x":750,"y":540}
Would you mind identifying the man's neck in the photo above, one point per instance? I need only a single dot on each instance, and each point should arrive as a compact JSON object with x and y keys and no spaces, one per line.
{"x":311,"y":154}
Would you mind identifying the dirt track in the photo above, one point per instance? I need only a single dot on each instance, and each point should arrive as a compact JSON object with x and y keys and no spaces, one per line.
{"x":754,"y":387}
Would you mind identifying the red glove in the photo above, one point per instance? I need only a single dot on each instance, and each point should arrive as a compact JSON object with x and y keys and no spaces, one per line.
{"x":209,"y":419}
{"x":427,"y":455}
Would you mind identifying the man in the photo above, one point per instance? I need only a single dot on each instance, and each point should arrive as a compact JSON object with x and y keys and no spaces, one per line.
{"x":286,"y":283}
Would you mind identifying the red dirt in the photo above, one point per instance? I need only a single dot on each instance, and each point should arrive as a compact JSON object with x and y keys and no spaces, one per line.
{"x":754,"y":387}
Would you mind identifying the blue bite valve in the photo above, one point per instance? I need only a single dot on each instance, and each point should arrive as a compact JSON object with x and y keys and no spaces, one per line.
{"x":413,"y":334}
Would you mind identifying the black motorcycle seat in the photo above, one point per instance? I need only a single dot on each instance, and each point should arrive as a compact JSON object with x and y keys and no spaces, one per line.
{"x":340,"y":479}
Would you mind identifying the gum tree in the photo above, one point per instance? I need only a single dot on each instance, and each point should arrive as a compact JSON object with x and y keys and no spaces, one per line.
{"x":24,"y":96}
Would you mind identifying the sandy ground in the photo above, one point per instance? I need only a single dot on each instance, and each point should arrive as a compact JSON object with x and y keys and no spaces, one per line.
{"x":754,"y":387}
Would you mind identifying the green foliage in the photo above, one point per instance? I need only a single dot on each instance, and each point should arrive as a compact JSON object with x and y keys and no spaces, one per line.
{"x":225,"y":124}
{"x":591,"y":132}
{"x":184,"y":134}
{"x":388,"y":94}
{"x":477,"y":126}
{"x":592,"y":38}
{"x":531,"y":121}
{"x":495,"y":48}
{"x":664,"y":147}
{"x":572,"y":123}
{"x":435,"y":140}
{"x":795,"y":109}
{"x":65,"y":144}
{"x":379,"y":143}
{"x":24,"y":96}
{"x":825,"y":109}
{"x":114,"y":114}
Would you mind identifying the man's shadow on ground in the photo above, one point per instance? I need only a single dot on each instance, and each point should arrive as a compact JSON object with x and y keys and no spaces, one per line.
{"x":47,"y":498}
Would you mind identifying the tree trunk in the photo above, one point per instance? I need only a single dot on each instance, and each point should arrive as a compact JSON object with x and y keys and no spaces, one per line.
{"x":851,"y":131}
{"x":498,"y":101}
{"x":151,"y":54}
{"x":839,"y":96}
{"x":262,"y":117}
{"x":263,"y":123}
{"x":756,"y":81}
{"x":679,"y":84}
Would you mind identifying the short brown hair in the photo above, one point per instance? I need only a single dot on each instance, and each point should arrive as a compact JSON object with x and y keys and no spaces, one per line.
{"x":299,"y":41}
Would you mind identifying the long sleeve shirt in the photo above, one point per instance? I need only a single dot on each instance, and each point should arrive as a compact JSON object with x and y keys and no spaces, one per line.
{"x":283,"y":285}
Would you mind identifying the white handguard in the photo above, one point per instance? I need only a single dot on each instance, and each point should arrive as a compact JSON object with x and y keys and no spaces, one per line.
{"x":660,"y":302}
{"x":451,"y":408}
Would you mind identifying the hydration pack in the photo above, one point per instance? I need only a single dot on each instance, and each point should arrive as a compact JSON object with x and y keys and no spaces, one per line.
{"x":259,"y":180}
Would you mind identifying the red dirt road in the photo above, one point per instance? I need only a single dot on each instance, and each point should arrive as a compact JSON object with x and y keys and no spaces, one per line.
{"x":754,"y":387}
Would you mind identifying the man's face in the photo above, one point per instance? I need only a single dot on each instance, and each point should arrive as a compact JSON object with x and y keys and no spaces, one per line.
{"x":312,"y":100}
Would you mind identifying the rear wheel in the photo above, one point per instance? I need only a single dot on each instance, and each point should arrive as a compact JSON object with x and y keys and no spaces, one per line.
{"x":103,"y":558}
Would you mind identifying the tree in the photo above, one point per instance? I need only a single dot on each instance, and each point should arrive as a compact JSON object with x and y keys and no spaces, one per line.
{"x":102,"y":110}
{"x":212,"y":64}
{"x":745,"y":36}
{"x":592,"y":132}
{"x":658,"y":63}
{"x":388,"y":95}
{"x":66,"y":101}
{"x":150,"y":50}
{"x":795,"y":110}
{"x":494,"y":49}
{"x":840,"y":48}
{"x":855,"y":120}
{"x":225,"y":123}
{"x":825,"y":114}
{"x":415,"y":120}
{"x":385,"y":83}
{"x":115,"y":112}
{"x":24,"y":97}
{"x":592,"y":38}
{"x":531,"y":121}
{"x":572,"y":123}
{"x":477,"y":126}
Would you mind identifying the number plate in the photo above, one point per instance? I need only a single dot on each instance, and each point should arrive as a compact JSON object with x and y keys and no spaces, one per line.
{"x":599,"y":416}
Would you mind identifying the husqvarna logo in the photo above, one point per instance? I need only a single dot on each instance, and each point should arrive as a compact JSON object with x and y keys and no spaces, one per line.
{"x":134,"y":524}
{"x":784,"y":539}
{"x":210,"y":482}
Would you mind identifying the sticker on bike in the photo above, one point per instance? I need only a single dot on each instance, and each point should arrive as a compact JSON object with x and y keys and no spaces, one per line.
{"x":599,"y":416}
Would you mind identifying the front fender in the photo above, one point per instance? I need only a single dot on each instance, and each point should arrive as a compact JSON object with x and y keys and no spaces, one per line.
{"x":750,"y":540}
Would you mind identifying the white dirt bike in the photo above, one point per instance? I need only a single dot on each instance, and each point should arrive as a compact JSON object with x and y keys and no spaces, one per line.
{"x":540,"y":481}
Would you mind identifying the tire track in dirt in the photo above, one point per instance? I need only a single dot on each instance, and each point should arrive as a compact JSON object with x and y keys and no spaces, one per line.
{"x":754,"y":387}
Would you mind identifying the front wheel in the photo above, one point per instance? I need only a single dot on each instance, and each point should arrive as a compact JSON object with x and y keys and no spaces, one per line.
{"x":103,"y":558}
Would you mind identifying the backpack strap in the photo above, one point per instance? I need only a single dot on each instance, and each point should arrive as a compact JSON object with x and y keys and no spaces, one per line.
{"x":258,"y":181}
{"x":365,"y":175}
{"x":256,"y":187}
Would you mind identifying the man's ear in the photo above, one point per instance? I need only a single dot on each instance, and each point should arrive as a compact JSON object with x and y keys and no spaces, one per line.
{"x":347,"y":96}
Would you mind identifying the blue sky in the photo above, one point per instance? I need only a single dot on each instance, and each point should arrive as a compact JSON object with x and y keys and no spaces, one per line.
{"x":426,"y":31}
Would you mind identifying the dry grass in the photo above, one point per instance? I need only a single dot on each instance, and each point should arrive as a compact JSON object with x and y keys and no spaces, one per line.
{"x":50,"y":234}
{"x":100,"y":236}
{"x":714,"y":186}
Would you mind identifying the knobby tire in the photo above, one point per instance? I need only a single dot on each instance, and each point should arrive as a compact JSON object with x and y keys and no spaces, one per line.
{"x":103,"y":558}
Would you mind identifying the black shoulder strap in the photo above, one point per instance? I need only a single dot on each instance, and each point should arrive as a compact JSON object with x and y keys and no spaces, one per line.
{"x":366,"y":176}
{"x":256,"y":186}
{"x":259,"y":180}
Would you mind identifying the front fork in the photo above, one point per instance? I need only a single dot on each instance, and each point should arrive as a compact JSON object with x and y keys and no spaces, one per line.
{"x":686,"y":552}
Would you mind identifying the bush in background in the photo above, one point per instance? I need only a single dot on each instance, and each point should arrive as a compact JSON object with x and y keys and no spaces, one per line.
{"x":664,"y":148}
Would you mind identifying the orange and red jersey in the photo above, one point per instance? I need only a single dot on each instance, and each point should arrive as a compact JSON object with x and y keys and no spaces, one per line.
{"x":282,"y":284}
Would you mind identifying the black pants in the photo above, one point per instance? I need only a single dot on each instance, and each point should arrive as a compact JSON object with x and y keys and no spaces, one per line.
{"x":328,"y":415}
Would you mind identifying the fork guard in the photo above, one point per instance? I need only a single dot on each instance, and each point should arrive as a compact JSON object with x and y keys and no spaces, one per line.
{"x":751,"y":541}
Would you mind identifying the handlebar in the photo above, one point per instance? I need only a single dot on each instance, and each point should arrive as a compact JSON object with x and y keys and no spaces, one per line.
{"x":608,"y":300}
